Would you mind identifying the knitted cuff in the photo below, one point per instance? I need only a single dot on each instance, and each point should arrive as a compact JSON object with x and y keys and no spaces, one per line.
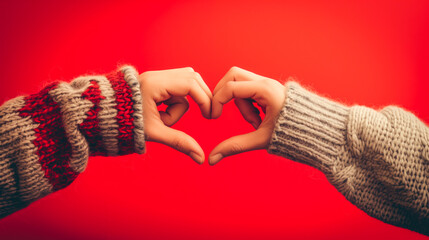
{"x":127,"y":116}
{"x":309,"y":128}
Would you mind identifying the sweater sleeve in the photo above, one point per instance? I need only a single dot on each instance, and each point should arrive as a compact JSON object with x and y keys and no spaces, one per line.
{"x":379,"y":160}
{"x":47,"y":137}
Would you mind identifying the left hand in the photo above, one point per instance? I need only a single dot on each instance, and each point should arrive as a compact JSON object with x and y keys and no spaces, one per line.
{"x":171,"y":88}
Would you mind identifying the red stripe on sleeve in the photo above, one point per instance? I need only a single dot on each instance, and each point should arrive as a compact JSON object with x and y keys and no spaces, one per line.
{"x":90,"y":126}
{"x":125,"y":109}
{"x":52,"y":145}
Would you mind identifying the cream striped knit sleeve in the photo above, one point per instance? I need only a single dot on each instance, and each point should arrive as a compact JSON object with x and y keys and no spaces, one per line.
{"x":47,"y":137}
{"x":379,"y":160}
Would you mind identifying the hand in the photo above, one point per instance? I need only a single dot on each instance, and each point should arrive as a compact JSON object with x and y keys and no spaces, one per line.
{"x":245,"y":88}
{"x":171,"y":88}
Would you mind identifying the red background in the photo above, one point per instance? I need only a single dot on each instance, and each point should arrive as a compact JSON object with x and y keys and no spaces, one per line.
{"x":373,"y":53}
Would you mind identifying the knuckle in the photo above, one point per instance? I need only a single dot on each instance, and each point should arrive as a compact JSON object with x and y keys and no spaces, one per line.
{"x":179,"y":144}
{"x":229,"y":88}
{"x":234,"y":69}
{"x":190,"y":69}
{"x":229,"y":85}
{"x":197,"y":75}
{"x":236,"y":148}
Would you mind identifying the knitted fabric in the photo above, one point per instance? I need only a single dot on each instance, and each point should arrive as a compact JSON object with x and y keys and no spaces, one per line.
{"x":46,"y":138}
{"x":378,"y":160}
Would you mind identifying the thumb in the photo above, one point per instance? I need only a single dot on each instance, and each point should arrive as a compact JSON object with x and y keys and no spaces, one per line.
{"x":238,"y":144}
{"x":180,"y":141}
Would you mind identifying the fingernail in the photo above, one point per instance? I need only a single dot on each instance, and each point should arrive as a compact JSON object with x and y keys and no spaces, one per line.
{"x":197,"y":158}
{"x":215,"y":159}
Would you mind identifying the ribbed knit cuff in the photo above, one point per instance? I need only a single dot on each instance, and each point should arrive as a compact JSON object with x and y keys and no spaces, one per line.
{"x":131,"y":76}
{"x":129,"y":110}
{"x":310,"y":129}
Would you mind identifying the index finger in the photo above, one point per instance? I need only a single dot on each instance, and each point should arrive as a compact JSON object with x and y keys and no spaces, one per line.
{"x":236,"y":74}
{"x":203,"y":100}
{"x":187,"y":83}
{"x":232,"y":90}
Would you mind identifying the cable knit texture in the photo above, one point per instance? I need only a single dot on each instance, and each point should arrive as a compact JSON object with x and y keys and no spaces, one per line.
{"x":377,"y":159}
{"x":47,"y":137}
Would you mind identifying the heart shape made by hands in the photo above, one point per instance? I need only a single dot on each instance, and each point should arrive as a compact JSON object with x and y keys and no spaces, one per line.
{"x":246,"y":88}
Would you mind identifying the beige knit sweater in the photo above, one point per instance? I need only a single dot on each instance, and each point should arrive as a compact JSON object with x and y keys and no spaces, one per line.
{"x":379,"y":160}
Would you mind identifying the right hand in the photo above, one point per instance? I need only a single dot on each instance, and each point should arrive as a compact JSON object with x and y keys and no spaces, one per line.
{"x":171,"y":88}
{"x":245,"y":88}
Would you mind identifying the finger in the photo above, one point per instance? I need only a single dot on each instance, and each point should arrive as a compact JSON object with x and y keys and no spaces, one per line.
{"x":177,"y":106}
{"x":203,"y":85}
{"x":197,"y":77}
{"x":248,"y":111}
{"x":238,"y":144}
{"x":234,"y":90}
{"x":184,"y":84}
{"x":180,"y":141}
{"x":236,"y":74}
{"x":201,"y":98}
